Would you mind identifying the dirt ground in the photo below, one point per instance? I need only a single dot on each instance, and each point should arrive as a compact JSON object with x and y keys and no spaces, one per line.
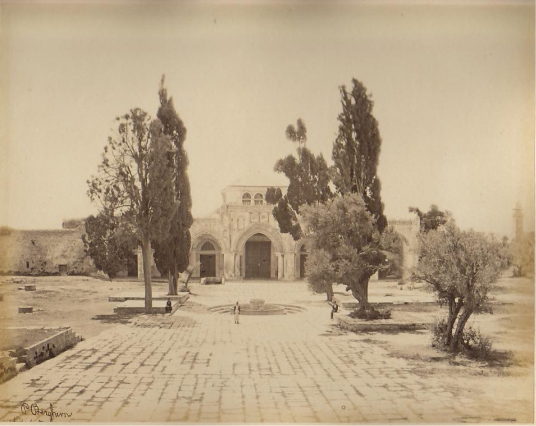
{"x":61,"y":301}
{"x":511,"y":328}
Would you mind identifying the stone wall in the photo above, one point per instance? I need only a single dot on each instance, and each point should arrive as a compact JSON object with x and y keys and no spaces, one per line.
{"x":409,"y":229}
{"x":50,"y":347}
{"x":59,"y":251}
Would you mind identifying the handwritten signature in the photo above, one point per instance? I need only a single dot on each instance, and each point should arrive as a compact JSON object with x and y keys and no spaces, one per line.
{"x":35,"y":410}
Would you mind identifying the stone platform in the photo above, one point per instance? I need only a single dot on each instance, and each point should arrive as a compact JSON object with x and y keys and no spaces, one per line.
{"x":357,"y":325}
{"x":138,"y":307}
{"x":140,"y":295}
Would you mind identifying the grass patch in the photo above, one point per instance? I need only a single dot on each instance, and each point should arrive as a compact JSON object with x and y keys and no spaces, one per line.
{"x":370,"y":314}
{"x":15,"y":339}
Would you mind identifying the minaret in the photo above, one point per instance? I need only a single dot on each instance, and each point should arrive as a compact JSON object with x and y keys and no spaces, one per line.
{"x":518,"y":221}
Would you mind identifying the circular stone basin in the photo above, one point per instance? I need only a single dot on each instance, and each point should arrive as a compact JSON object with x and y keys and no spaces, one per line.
{"x":261,"y":309}
{"x":257,"y":304}
{"x":265,"y":309}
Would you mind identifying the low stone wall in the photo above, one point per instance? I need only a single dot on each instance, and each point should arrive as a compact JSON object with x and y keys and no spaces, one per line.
{"x":181,"y":297}
{"x":134,"y":307}
{"x":50,"y":347}
{"x":357,"y":325}
{"x":212,"y":280}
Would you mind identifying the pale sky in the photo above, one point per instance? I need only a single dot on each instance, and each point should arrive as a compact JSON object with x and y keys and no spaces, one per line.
{"x":453,"y":87}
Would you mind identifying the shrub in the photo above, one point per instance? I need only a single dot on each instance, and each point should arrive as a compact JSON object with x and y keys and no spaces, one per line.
{"x":438,"y":333}
{"x":476,"y":344}
{"x":370,"y":314}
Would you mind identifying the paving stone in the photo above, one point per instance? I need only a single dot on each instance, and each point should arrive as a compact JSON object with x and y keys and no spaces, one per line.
{"x":190,"y":367}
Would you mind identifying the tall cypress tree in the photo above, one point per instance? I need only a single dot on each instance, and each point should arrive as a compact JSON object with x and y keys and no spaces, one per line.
{"x":308,"y":177}
{"x":172,"y":255}
{"x":356,"y":151}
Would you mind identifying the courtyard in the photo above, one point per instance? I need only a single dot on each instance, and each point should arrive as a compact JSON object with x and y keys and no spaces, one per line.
{"x":198,"y":366}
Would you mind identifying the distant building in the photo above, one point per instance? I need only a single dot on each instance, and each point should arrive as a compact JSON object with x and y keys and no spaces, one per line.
{"x":518,"y":221}
{"x":241,"y":239}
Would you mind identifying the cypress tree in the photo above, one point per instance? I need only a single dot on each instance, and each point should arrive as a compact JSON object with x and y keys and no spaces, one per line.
{"x":172,"y":254}
{"x":356,"y":151}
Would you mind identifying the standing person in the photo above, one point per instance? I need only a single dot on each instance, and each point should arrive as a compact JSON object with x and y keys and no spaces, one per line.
{"x":334,"y":308}
{"x":168,"y":306}
{"x":236,"y":311}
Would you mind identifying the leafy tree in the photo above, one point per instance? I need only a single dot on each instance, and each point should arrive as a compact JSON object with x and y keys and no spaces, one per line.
{"x":172,"y":254}
{"x":136,"y":181}
{"x":432,"y":219}
{"x":356,"y":151}
{"x":320,"y":273}
{"x":344,"y":245}
{"x":308,"y":183}
{"x":107,"y":243}
{"x":461,"y":267}
{"x":522,"y":255}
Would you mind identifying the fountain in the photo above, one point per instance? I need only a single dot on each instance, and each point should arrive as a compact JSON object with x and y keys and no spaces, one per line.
{"x":258,"y":307}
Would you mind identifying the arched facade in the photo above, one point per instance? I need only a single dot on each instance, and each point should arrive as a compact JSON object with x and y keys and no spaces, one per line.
{"x":241,"y":239}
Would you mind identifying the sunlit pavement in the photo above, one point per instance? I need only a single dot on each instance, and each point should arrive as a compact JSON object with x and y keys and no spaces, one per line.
{"x":198,"y":366}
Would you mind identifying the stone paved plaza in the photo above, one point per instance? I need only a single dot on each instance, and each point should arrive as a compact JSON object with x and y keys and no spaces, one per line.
{"x":198,"y":366}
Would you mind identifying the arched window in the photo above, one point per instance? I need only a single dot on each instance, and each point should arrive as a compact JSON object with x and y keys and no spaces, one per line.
{"x":259,"y":199}
{"x":303,"y":249}
{"x":246,"y":199}
{"x":208,"y":247}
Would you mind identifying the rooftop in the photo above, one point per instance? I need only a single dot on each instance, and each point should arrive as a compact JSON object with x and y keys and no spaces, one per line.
{"x":261,"y":179}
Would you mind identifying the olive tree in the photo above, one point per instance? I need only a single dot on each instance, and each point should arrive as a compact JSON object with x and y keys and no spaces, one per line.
{"x":344,"y":245}
{"x":461,"y":267}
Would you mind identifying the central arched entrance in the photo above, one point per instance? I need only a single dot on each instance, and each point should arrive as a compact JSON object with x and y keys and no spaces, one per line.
{"x":258,"y":256}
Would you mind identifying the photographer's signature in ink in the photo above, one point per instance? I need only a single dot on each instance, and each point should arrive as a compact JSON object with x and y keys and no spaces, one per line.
{"x":35,"y":410}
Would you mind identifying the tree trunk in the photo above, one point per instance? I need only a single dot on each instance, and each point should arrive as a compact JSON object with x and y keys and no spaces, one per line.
{"x":173,"y":281}
{"x":329,"y":293}
{"x":189,"y":272}
{"x":455,"y":344}
{"x":454,"y":310}
{"x":360,"y":292}
{"x":146,"y":253}
{"x":170,"y":283}
{"x":365,"y":292}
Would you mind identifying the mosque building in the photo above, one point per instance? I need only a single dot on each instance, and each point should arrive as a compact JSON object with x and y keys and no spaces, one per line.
{"x":241,"y":239}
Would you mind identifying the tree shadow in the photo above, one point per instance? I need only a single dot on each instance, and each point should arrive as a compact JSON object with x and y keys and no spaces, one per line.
{"x":493,"y":358}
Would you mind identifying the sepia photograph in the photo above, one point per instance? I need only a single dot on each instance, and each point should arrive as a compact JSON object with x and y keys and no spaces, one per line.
{"x":267,"y":211}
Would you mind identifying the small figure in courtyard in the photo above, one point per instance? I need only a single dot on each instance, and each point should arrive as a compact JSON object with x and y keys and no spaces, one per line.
{"x":236,"y":311}
{"x":168,"y":306}
{"x":334,"y":308}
